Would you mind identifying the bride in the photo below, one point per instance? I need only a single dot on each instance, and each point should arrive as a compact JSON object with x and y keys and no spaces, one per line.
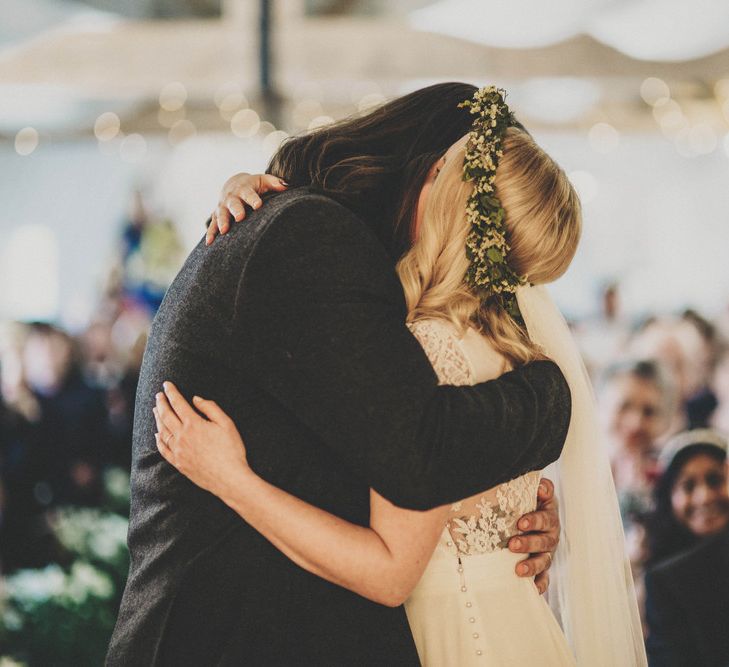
{"x":499,"y":220}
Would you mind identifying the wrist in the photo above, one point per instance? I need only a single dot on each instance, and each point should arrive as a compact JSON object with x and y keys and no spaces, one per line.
{"x":237,"y":486}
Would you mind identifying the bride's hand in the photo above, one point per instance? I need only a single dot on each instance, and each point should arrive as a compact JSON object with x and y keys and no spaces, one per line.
{"x":210,"y":452}
{"x":239,"y":190}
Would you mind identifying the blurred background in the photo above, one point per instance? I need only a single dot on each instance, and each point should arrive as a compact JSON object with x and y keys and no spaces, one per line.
{"x":119,"y":123}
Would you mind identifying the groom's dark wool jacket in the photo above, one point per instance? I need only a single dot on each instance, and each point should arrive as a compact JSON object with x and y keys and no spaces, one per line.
{"x":295,"y":324}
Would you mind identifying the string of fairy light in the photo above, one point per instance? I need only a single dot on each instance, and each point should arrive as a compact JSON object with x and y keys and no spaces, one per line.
{"x":695,"y":129}
{"x":233,"y":107}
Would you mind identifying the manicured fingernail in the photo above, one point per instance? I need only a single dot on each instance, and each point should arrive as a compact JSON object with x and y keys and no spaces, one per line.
{"x":542,"y":488}
{"x":283,"y":182}
{"x":523,"y":569}
{"x":516,"y":543}
{"x":257,"y":204}
{"x":524,"y":524}
{"x":196,"y":398}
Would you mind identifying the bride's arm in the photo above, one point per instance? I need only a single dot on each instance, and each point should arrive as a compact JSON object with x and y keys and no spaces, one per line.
{"x":382,"y":562}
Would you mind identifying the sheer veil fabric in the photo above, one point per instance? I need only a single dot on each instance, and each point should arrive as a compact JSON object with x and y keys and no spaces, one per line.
{"x":592,"y":589}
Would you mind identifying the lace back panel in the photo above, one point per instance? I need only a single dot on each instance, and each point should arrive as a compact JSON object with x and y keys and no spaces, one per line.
{"x":485,"y":522}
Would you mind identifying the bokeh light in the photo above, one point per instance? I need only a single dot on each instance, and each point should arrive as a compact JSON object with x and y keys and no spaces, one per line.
{"x":245,"y":123}
{"x":371,"y":101}
{"x":173,"y":96}
{"x":603,"y":138}
{"x":320,"y":121}
{"x":654,"y":91}
{"x":181,"y":130}
{"x":107,"y":126}
{"x":305,"y":111}
{"x":26,"y":141}
{"x":168,"y":118}
{"x":272,"y":142}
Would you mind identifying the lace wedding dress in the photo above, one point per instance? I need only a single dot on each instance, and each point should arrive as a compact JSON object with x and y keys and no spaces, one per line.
{"x":470,"y":607}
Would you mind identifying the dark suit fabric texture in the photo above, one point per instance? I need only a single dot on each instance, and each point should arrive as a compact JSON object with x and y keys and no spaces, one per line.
{"x":294,"y":323}
{"x":687,"y":607}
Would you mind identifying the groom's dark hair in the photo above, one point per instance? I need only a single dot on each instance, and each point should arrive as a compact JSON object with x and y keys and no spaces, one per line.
{"x":376,"y":164}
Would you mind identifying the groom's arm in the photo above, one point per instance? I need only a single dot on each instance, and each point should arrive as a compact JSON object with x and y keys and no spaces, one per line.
{"x":321,"y":314}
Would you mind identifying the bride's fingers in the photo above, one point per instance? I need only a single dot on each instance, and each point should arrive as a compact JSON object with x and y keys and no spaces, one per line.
{"x":211,"y":410}
{"x":179,"y":404}
{"x":223,"y":216}
{"x":167,"y":415}
{"x":270,"y":183}
{"x":213,"y":230}
{"x":236,"y":207}
{"x":163,"y":449}
{"x":249,"y":196}
{"x":162,"y":431}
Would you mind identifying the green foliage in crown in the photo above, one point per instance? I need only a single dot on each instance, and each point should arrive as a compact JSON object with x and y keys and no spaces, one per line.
{"x":489,"y":273}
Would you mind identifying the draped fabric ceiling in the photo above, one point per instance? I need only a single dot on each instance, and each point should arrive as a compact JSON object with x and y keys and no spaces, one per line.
{"x":658,"y":30}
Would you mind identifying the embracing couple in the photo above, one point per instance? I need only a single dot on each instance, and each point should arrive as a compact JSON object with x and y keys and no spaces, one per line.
{"x":384,"y":380}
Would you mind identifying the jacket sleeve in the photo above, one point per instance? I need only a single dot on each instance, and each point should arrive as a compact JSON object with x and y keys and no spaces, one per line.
{"x":321,"y":313}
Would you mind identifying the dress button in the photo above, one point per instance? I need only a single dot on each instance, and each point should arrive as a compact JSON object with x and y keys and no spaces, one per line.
{"x":449,"y":544}
{"x":463,"y":589}
{"x":475,"y":635}
{"x":472,"y":620}
{"x":479,"y":652}
{"x":468,"y":604}
{"x":460,"y":569}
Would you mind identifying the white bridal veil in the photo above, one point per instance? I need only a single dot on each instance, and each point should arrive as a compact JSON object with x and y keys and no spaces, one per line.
{"x":592,"y":587}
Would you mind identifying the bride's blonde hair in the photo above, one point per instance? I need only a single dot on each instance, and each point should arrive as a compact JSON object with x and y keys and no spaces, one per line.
{"x":543,"y":222}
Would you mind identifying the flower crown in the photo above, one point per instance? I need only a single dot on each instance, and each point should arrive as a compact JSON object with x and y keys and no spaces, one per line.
{"x":489,"y":274}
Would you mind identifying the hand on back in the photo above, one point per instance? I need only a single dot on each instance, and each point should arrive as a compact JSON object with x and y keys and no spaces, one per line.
{"x":239,"y":190}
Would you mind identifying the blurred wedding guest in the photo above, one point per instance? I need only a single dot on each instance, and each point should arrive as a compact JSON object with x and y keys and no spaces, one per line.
{"x":24,"y":534}
{"x":603,"y":338}
{"x":687,"y":582}
{"x":720,"y":386}
{"x":72,"y":425}
{"x":636,"y":400}
{"x":678,"y":345}
{"x":701,"y":405}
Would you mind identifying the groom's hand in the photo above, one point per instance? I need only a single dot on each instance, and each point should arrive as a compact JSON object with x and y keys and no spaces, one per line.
{"x":540,"y":538}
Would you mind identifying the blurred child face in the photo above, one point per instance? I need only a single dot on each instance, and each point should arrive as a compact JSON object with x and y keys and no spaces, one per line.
{"x":634,"y":412}
{"x":699,"y":498}
{"x":46,"y":359}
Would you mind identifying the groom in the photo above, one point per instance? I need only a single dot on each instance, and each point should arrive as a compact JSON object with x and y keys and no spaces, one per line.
{"x":294,"y":324}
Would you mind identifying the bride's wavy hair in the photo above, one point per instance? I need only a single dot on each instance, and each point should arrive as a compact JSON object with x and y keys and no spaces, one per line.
{"x":376,"y":164}
{"x":543,"y":222}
